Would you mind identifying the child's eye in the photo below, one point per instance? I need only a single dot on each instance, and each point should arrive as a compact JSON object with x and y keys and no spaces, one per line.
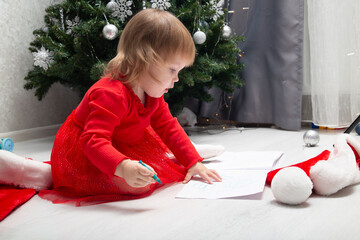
{"x":172,"y":70}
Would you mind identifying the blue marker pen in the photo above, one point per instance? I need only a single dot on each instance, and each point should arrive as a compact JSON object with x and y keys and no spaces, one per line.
{"x":154,"y":177}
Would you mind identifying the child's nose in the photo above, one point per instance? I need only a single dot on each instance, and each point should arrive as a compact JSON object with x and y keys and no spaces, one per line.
{"x":176,"y":79}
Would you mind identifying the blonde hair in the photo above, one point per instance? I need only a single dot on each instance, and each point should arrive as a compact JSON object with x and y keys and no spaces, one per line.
{"x":152,"y":36}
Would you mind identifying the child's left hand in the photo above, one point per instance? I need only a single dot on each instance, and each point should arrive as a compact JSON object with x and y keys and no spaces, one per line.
{"x":204,"y":172}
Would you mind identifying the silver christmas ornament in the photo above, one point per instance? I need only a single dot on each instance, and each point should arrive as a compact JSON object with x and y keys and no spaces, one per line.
{"x":226,"y":32}
{"x":311,"y":138}
{"x":199,"y":37}
{"x":110,"y":31}
{"x":204,"y":26}
{"x":111,"y":6}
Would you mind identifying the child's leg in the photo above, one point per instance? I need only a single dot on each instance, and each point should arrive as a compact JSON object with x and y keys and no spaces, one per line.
{"x":22,"y":172}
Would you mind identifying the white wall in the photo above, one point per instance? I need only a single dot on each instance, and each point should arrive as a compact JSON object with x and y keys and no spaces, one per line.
{"x":19,"y":108}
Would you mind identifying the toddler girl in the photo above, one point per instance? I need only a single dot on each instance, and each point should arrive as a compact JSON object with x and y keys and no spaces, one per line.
{"x":123,"y":118}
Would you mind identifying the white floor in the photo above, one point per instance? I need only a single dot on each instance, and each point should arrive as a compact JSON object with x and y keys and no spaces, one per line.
{"x":161,"y":216}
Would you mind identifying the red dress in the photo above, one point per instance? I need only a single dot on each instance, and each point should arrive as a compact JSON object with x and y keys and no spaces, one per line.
{"x":110,"y":125}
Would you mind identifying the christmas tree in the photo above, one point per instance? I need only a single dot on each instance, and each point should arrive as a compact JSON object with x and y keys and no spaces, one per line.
{"x":81,"y":36}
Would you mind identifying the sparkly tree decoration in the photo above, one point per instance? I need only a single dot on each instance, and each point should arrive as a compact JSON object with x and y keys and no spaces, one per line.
{"x":121,"y":9}
{"x":81,"y":36}
{"x":43,"y":58}
{"x":160,"y":4}
{"x":70,"y":24}
{"x":217,"y":7}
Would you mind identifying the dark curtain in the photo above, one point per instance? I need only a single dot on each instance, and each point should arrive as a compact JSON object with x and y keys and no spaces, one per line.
{"x":272,"y":55}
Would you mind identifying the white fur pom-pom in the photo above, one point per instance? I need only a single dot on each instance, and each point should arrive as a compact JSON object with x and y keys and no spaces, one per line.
{"x":291,"y":186}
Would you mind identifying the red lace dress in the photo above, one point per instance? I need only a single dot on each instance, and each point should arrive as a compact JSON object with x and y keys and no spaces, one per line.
{"x":110,"y":125}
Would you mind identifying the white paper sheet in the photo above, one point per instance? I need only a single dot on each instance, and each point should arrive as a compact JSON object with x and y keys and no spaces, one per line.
{"x":235,"y":183}
{"x":243,"y":173}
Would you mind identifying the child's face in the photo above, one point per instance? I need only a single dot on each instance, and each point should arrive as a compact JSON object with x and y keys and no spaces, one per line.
{"x":166,"y":76}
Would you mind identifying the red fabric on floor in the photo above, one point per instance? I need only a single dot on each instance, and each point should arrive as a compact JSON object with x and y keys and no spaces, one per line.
{"x":12,"y":198}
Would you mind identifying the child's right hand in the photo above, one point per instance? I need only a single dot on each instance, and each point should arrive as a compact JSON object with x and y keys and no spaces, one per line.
{"x":134,"y":173}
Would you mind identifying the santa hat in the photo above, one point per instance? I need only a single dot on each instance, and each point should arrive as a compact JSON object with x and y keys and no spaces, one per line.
{"x":326,"y":173}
